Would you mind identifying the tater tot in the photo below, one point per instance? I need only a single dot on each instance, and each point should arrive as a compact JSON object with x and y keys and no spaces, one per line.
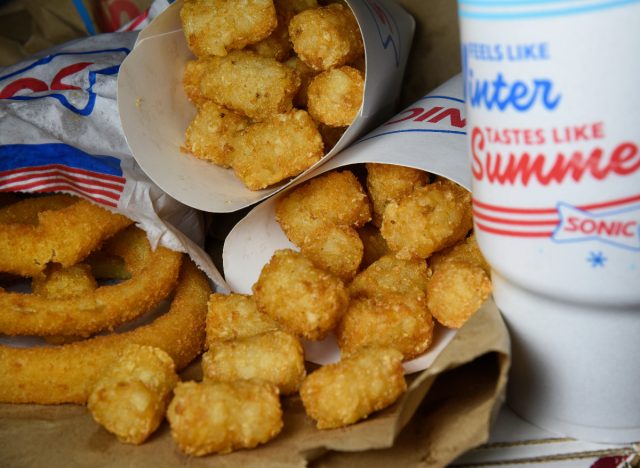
{"x":326,"y":37}
{"x":337,"y":249}
{"x":219,"y":417}
{"x":131,"y":398}
{"x":191,"y":77}
{"x":431,"y":218}
{"x":460,"y":283}
{"x":374,"y":245}
{"x":250,"y":84}
{"x":276,"y":357}
{"x":232,"y":316}
{"x":210,"y":134}
{"x":302,"y":298}
{"x":343,"y":393}
{"x":213,"y":27}
{"x":390,"y":274}
{"x":335,"y":96}
{"x":335,"y":197}
{"x":320,"y":217}
{"x":391,"y":183}
{"x":398,"y":321}
{"x":282,"y":146}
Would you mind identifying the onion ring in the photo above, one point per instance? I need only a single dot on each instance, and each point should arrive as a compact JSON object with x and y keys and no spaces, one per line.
{"x":67,"y":374}
{"x":154,"y":275}
{"x":58,"y":228}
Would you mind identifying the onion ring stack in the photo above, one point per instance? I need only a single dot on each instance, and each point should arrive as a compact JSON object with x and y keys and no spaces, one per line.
{"x":62,"y":244}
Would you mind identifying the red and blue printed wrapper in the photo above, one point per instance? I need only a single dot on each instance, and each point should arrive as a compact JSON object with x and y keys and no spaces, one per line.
{"x":60,"y":133}
{"x":155,"y":111}
{"x":429,"y":135}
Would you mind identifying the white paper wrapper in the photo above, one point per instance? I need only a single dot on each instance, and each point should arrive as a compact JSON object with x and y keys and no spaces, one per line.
{"x":408,"y":139}
{"x":155,"y":111}
{"x":60,"y":132}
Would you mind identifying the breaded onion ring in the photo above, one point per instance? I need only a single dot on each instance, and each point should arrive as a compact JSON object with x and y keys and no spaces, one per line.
{"x":67,"y":374}
{"x":154,"y":274}
{"x":59,"y":228}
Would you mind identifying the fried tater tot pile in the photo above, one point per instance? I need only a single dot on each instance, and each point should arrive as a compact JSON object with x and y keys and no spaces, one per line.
{"x":131,"y":398}
{"x":340,"y":394}
{"x":265,"y":110}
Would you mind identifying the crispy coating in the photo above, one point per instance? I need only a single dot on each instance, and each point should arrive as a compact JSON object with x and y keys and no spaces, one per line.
{"x":399,"y":321}
{"x":213,"y":27}
{"x":335,"y":197}
{"x":391,"y":183}
{"x":374,"y":245}
{"x":62,"y":283}
{"x":67,"y":230}
{"x":335,"y":96}
{"x":302,"y":298}
{"x":211,"y":132}
{"x":306,"y":74}
{"x":320,"y":217}
{"x":456,"y":291}
{"x":466,"y":250}
{"x":343,"y":393}
{"x":131,"y":397}
{"x":191,"y":78}
{"x":67,"y":374}
{"x":282,"y":146}
{"x":275,"y":356}
{"x":390,"y":274}
{"x":326,"y":37}
{"x":250,"y":84}
{"x":431,"y":218}
{"x":219,"y":417}
{"x":460,"y":283}
{"x":233,"y":316}
{"x":154,"y":276}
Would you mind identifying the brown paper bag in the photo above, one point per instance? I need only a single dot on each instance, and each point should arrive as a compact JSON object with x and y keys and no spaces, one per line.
{"x":447,"y":410}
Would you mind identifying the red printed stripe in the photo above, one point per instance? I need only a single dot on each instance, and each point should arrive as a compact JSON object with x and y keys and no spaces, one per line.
{"x":57,"y":173}
{"x":505,"y":209}
{"x":138,"y":20}
{"x":505,"y":232}
{"x":66,"y":188}
{"x":548,"y":222}
{"x":112,"y":178}
{"x":33,"y":186}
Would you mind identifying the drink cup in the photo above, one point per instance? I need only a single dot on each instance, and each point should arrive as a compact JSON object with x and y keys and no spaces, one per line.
{"x":553,"y":139}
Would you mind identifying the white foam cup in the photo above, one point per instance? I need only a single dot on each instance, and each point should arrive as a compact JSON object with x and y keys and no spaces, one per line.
{"x":553,"y":128}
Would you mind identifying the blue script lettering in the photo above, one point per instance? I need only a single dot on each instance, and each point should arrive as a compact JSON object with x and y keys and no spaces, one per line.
{"x":501,"y":94}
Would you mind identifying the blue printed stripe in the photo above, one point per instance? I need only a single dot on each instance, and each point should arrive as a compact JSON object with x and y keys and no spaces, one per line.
{"x":84,"y":16}
{"x":443,"y":97}
{"x":466,"y":9}
{"x":21,"y":156}
{"x":413,"y":130}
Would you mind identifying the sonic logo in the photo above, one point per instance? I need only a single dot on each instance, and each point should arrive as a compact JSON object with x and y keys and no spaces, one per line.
{"x":67,"y":77}
{"x":619,"y":227}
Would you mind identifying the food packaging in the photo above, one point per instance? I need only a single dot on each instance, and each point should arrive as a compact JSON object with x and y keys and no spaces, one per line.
{"x":448,"y":408}
{"x":59,"y":132}
{"x":437,"y":122}
{"x":154,"y":118}
{"x":553,"y":147}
